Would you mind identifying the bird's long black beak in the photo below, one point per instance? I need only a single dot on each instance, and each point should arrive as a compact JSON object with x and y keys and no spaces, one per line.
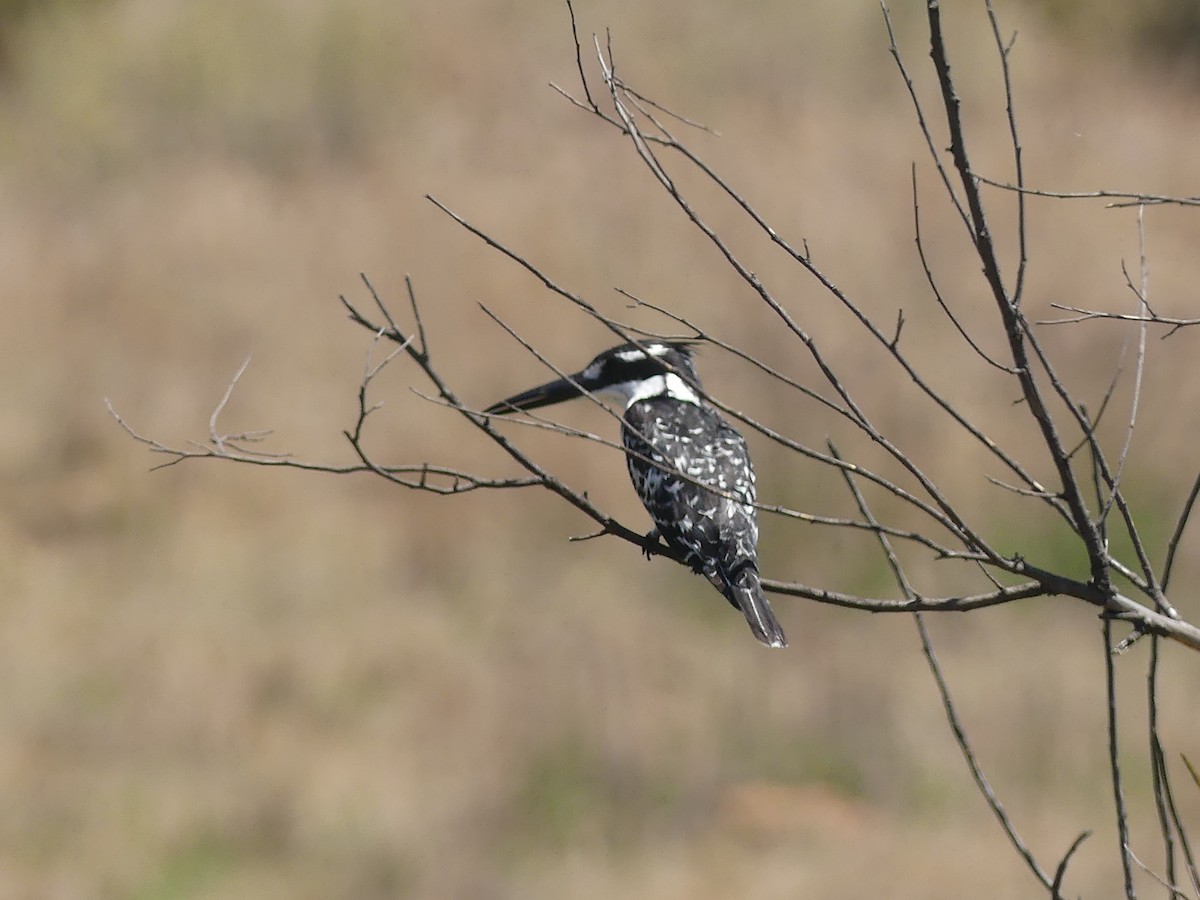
{"x":543,"y":395}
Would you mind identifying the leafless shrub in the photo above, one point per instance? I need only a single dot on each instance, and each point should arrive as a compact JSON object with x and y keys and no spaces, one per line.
{"x":1085,"y":491}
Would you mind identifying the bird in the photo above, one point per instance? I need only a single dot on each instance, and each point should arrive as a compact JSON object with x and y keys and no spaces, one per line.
{"x":690,"y":467}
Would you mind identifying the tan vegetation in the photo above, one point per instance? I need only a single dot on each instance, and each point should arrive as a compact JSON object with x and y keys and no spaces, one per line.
{"x":227,"y":682}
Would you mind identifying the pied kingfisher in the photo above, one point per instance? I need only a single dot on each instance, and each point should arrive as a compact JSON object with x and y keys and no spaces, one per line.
{"x":688,"y":465}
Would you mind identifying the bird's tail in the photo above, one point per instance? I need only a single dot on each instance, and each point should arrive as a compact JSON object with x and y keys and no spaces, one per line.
{"x":744,"y":591}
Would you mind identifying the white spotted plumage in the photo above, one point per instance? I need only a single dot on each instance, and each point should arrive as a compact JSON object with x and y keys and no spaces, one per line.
{"x":689,"y":466}
{"x":693,"y":474}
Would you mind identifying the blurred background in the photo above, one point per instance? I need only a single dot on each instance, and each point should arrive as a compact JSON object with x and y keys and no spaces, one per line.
{"x":222,"y":681}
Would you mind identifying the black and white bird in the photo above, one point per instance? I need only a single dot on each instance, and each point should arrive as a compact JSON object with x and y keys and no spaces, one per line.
{"x":688,"y":465}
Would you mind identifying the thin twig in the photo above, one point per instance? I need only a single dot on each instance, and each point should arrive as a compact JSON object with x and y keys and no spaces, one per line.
{"x":1061,"y":872}
{"x":1094,"y":421}
{"x":461,"y":481}
{"x":1173,"y":891}
{"x":1141,"y":292}
{"x":937,"y":293}
{"x":1177,"y":535}
{"x":702,"y":334}
{"x":931,"y":145}
{"x":217,"y":439}
{"x":1160,"y":778}
{"x":1002,"y":51}
{"x":579,"y":59}
{"x":1114,"y":761}
{"x":1130,"y":198}
{"x":1085,"y":315}
{"x":691,"y":123}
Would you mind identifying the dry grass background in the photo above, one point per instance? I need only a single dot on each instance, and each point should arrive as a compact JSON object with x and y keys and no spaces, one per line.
{"x":226,"y":682}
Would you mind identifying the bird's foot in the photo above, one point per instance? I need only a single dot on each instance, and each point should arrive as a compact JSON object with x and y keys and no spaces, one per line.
{"x":649,"y":542}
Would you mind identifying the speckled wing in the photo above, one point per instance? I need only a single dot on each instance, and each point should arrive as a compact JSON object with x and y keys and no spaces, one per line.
{"x":717,"y":534}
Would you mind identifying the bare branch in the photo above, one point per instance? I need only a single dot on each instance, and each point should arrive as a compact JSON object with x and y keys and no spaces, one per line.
{"x":1128,"y":198}
{"x":1061,"y":872}
{"x":1174,"y":892}
{"x":934,"y":154}
{"x":1177,"y":535}
{"x":1164,"y":801}
{"x":1013,"y":323}
{"x":701,"y":334}
{"x":544,"y":478}
{"x":1086,"y":315}
{"x":1114,"y":762}
{"x":455,"y":481}
{"x":1141,"y":292}
{"x":937,"y":294}
{"x":579,"y":59}
{"x":1002,"y":51}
